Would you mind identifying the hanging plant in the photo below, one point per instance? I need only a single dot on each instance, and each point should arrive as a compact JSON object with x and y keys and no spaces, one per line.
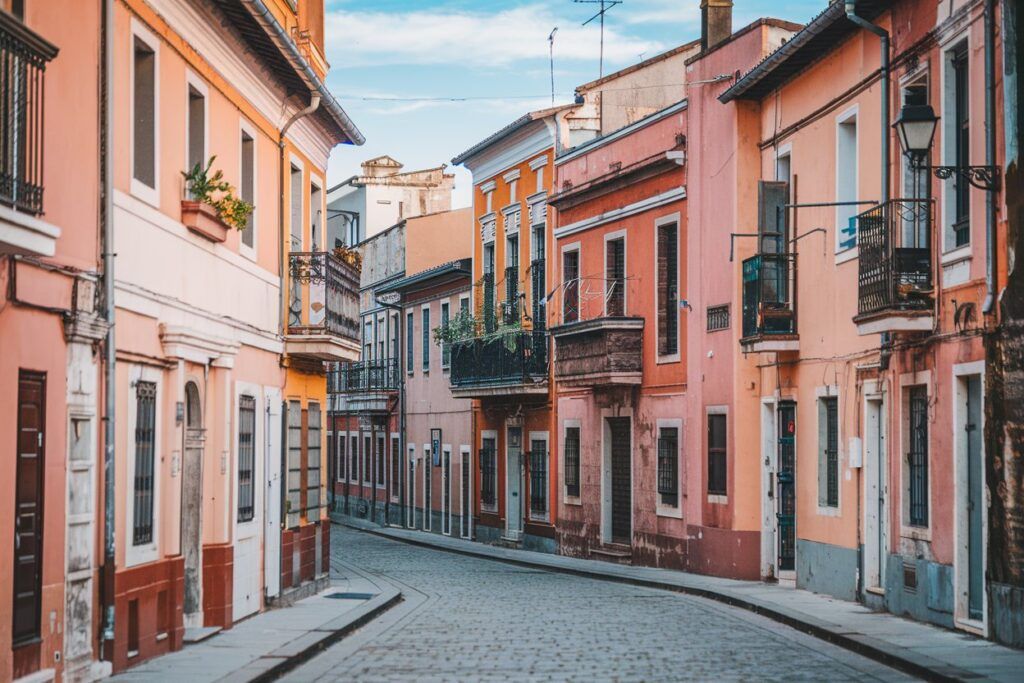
{"x":349,"y":255}
{"x":218,"y":193}
{"x":463,"y":325}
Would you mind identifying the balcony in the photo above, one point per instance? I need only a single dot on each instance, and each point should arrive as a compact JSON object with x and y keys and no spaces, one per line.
{"x":502,"y":364}
{"x":769,"y":304}
{"x":604,"y":351}
{"x":894,"y":286}
{"x":366,"y":386}
{"x":22,"y":85}
{"x":323,"y":308}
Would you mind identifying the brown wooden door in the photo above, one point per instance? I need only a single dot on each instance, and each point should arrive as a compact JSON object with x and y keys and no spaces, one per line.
{"x":621,"y":458}
{"x":28,"y":506}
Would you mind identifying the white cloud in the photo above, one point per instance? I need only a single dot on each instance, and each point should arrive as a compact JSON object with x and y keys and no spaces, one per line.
{"x":661,"y":12}
{"x":473,"y":39}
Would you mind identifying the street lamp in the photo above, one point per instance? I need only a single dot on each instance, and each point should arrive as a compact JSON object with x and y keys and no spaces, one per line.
{"x":915,"y":129}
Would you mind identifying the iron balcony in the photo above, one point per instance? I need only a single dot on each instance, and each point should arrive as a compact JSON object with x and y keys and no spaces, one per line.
{"x":769,"y":303}
{"x":365,"y":376}
{"x":500,"y":364}
{"x":894,"y":283}
{"x":323,"y":307}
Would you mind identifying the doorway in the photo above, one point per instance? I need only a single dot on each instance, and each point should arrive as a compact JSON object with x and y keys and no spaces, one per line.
{"x":513,"y":483}
{"x":446,"y":491}
{"x":28,"y":509}
{"x":465,"y":468}
{"x":875,"y":493}
{"x":410,"y":490}
{"x":785,"y":478}
{"x":273,"y":428}
{"x":970,"y":498}
{"x":192,"y":505}
{"x":619,"y":498}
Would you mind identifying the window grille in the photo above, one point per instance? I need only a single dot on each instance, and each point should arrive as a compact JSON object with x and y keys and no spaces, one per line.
{"x":426,"y":339}
{"x":831,"y":459}
{"x":145,"y":434}
{"x":615,"y":277}
{"x":718,"y":318}
{"x":246,"y":457}
{"x":668,"y":466}
{"x":717,"y":475}
{"x":395,"y":465}
{"x":572,"y":461}
{"x":668,"y":289}
{"x":538,"y":477}
{"x":313,"y":461}
{"x":571,"y":288}
{"x":917,"y":459}
{"x":294,"y":498}
{"x":342,"y":458}
{"x":488,"y":473}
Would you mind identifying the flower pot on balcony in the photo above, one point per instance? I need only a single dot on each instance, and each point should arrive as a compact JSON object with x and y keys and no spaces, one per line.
{"x":202,"y":219}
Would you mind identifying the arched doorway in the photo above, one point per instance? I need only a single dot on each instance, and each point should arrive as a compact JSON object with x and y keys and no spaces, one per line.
{"x":192,"y":505}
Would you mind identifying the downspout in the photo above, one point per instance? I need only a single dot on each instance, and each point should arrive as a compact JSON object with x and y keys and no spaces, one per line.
{"x":990,"y":155}
{"x":109,"y":374}
{"x":883,"y":36}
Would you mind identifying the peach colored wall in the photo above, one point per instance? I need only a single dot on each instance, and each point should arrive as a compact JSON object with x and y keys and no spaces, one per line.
{"x":438,"y":238}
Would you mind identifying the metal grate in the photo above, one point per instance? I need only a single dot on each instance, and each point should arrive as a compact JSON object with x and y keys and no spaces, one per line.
{"x":350,"y":596}
{"x":572,"y":461}
{"x":615,"y":277}
{"x":145,"y":422}
{"x":571,"y":288}
{"x":718,"y":317}
{"x":246,"y":457}
{"x":313,"y":459}
{"x":668,"y":289}
{"x":831,"y":452}
{"x":538,"y":477}
{"x":917,"y":459}
{"x":717,"y":480}
{"x":488,"y":473}
{"x":668,"y":466}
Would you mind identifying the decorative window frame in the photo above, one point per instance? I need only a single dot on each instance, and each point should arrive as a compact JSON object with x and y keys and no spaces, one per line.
{"x":139,"y":189}
{"x":566,"y":498}
{"x":823,"y":392}
{"x":149,"y":552}
{"x":675,"y":512}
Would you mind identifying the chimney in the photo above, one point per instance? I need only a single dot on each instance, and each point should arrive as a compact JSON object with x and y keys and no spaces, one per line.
{"x":715,"y":22}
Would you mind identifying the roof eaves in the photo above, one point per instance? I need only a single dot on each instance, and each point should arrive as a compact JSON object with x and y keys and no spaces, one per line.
{"x":519,"y":123}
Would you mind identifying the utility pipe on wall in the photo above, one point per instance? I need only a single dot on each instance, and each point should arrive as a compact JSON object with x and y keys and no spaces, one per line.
{"x":883,"y":36}
{"x":990,"y":154}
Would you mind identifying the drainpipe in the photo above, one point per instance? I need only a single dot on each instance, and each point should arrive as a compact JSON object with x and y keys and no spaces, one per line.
{"x":109,"y":374}
{"x":883,"y":36}
{"x":990,"y":155}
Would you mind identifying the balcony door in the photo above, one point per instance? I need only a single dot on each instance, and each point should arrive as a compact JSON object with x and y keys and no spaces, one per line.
{"x":785,"y":477}
{"x":618,"y":497}
{"x":513,"y":483}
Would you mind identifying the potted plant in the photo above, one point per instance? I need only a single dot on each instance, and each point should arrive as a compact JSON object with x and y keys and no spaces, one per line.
{"x":349,"y":256}
{"x":213,"y":207}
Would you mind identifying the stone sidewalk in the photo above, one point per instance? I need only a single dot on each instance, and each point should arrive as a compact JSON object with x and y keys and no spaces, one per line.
{"x":916,"y":648}
{"x":263,"y":647}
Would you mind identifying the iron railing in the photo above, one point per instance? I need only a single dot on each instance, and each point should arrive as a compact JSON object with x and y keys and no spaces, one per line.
{"x":509,"y":358}
{"x":895,"y":257}
{"x":769,"y":295}
{"x":486,"y":286}
{"x":24,"y":56}
{"x":324,"y":295}
{"x":365,"y":376}
{"x":510,"y":306}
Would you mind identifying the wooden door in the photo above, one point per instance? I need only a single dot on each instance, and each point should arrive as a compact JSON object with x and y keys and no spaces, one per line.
{"x":621,"y":470}
{"x":28,"y":507}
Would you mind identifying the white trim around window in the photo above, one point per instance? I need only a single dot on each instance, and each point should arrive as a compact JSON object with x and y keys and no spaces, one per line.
{"x":845,"y":190}
{"x":820,"y":393}
{"x":490,"y":434}
{"x":906,"y":381}
{"x":247,"y":128}
{"x":566,"y":498}
{"x":670,"y":357}
{"x":666,"y":510}
{"x":140,"y":554}
{"x":193,"y":80}
{"x":251,"y":527}
{"x":150,"y":195}
{"x":546,"y":516}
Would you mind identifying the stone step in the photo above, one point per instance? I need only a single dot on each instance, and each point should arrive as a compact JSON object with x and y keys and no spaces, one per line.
{"x":613,"y":552}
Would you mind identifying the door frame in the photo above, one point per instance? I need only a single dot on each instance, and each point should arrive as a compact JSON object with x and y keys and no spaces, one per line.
{"x":428,"y":487}
{"x":961,"y":559}
{"x":410,"y":487}
{"x":606,"y":472}
{"x":466,"y":504}
{"x":246,"y":531}
{"x":446,"y":490}
{"x":516,"y":474}
{"x":40,"y":514}
{"x":876,"y":469}
{"x":769,"y":488}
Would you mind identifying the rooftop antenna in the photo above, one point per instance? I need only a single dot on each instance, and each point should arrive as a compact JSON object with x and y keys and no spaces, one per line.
{"x":551,"y":48}
{"x":605,"y":6}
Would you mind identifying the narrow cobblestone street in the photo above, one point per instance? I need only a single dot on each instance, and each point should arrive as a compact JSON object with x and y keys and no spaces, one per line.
{"x":470,"y":619}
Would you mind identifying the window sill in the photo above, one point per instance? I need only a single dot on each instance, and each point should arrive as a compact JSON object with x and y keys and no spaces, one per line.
{"x":572,"y":500}
{"x":673,"y":513}
{"x":718,"y":499}
{"x":665,"y":360}
{"x":828,"y":511}
{"x":160,"y":637}
{"x":847,"y":255}
{"x":916,"y":533}
{"x":962,"y":253}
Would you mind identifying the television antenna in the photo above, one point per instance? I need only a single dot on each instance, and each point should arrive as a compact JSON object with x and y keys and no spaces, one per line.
{"x":605,"y":6}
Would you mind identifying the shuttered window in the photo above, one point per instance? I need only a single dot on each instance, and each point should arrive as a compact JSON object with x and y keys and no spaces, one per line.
{"x":313,"y":462}
{"x":246,"y":457}
{"x":668,"y":466}
{"x":342,"y":458}
{"x":571,"y":286}
{"x":615,"y":277}
{"x":396,"y":466}
{"x":446,"y":349}
{"x":294,"y":498}
{"x":488,"y":473}
{"x":668,"y":289}
{"x":145,"y":444}
{"x":717,"y":474}
{"x":917,"y":458}
{"x":572,"y":461}
{"x":410,"y":340}
{"x":426,"y":339}
{"x":381,"y":461}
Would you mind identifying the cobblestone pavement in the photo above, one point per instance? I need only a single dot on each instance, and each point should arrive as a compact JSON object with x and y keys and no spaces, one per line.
{"x":466,"y":618}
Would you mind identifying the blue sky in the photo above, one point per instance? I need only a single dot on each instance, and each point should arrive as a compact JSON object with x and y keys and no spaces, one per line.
{"x":495,"y":51}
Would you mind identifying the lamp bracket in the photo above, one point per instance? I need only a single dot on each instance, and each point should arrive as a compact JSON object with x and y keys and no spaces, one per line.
{"x":982,"y":177}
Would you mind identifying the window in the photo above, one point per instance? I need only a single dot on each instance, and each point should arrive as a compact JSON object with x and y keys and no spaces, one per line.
{"x":513,"y":190}
{"x":316,"y":214}
{"x":409,"y":342}
{"x":342,"y":457}
{"x":915,"y":181}
{"x":367,"y":455}
{"x":512,"y":280}
{"x":428,"y":488}
{"x":381,"y":460}
{"x":668,"y":289}
{"x":196,"y":128}
{"x":426,"y":339}
{"x":145,"y":445}
{"x":538,"y":477}
{"x":396,"y":465}
{"x":917,"y":458}
{"x":489,"y":201}
{"x":668,"y":466}
{"x":353,"y":454}
{"x":313,"y":461}
{"x":615,"y":277}
{"x":572,"y":461}
{"x":718,"y":317}
{"x":294,"y":499}
{"x":380,"y":338}
{"x":846,"y":181}
{"x":571,"y":286}
{"x":446,"y":349}
{"x":784,"y":167}
{"x":367,"y":339}
{"x":248,"y":186}
{"x":489,"y":473}
{"x":393,"y":337}
{"x":961,"y":144}
{"x":717,"y":481}
{"x":295,"y":216}
{"x":828,"y":452}
{"x":144,"y":114}
{"x":488,"y":288}
{"x":540,"y":179}
{"x":246,"y":458}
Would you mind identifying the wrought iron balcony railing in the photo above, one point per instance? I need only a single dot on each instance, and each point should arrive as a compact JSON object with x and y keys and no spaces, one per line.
{"x":769,"y":295}
{"x":895,"y":257}
{"x":510,"y":358}
{"x":324,"y":296}
{"x":365,"y":376}
{"x":24,"y":56}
